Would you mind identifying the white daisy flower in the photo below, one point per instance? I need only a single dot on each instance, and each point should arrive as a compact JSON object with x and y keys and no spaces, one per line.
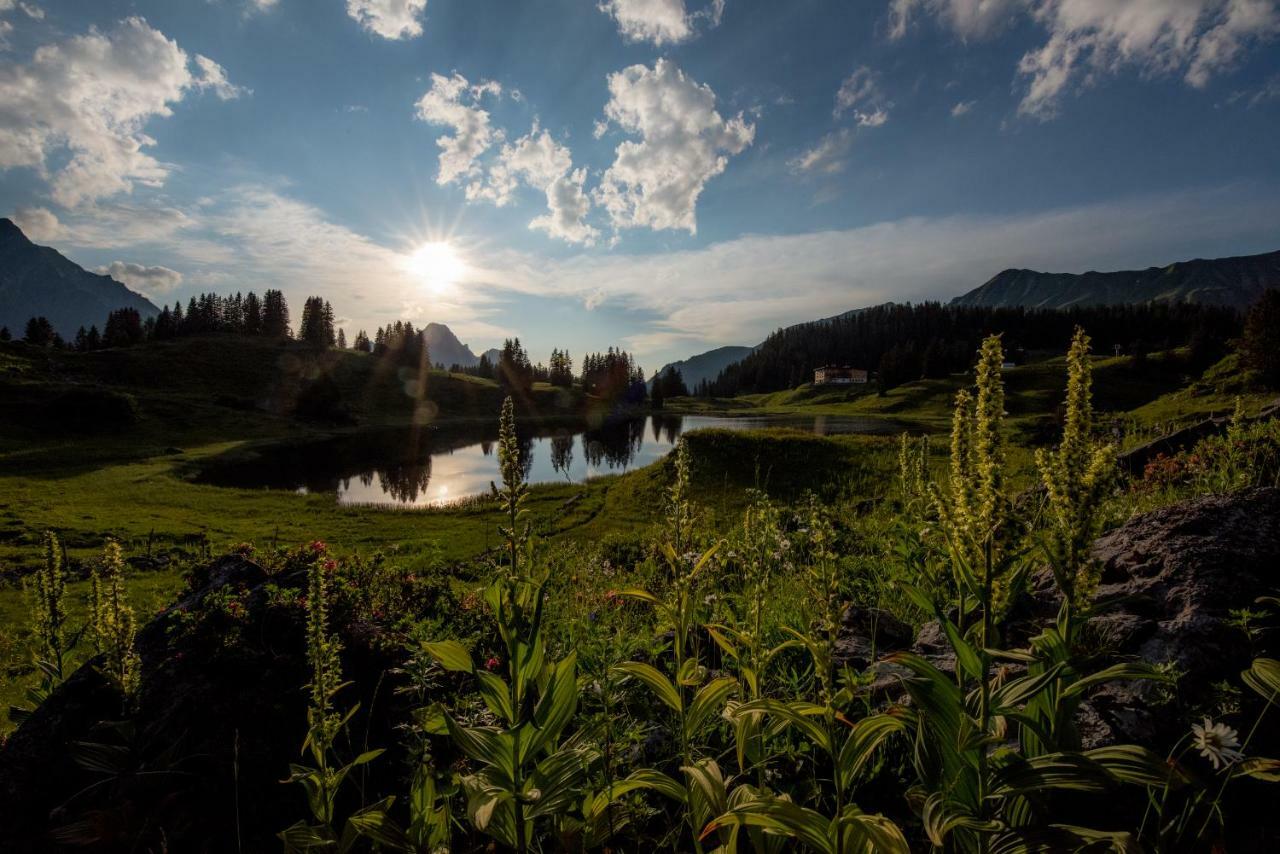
{"x":1218,"y":743}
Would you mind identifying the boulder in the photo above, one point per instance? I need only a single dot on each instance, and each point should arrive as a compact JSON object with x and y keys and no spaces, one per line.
{"x":1170,"y":580}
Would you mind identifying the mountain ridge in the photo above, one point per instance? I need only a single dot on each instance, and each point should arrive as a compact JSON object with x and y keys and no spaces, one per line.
{"x":39,"y":281}
{"x":1236,"y":281}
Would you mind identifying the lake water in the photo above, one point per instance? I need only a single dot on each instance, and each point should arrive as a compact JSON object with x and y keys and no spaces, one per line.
{"x":440,"y":465}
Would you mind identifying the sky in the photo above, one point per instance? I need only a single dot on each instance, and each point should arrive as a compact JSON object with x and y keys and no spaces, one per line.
{"x":666,"y":176}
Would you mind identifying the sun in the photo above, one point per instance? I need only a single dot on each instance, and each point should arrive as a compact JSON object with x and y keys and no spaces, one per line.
{"x":437,"y":264}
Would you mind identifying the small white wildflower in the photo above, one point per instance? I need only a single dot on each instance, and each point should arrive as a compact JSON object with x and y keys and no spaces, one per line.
{"x":1216,"y":742}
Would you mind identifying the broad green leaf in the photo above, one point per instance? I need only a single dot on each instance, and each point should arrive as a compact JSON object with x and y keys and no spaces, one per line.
{"x":966,"y":655}
{"x":659,"y":684}
{"x":1263,"y":676}
{"x":496,"y":695}
{"x":798,"y":715}
{"x":1014,"y":693}
{"x":451,"y":655}
{"x":647,"y":778}
{"x":1124,"y":670}
{"x":782,"y":817}
{"x":556,"y":706}
{"x":1260,"y":769}
{"x":1071,"y":771}
{"x":940,"y":816}
{"x":1132,"y":764}
{"x":486,"y":746}
{"x":706,"y":790}
{"x":708,"y":702}
{"x":862,"y":742}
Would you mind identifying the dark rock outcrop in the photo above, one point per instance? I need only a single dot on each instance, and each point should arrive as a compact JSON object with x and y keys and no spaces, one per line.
{"x":1170,"y":579}
{"x":221,"y":714}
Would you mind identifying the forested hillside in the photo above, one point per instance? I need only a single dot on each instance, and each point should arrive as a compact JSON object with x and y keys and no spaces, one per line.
{"x":908,"y":342}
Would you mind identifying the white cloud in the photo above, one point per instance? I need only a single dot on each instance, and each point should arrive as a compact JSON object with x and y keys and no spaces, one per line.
{"x":540,"y":162}
{"x":91,"y":97}
{"x":213,"y":77}
{"x":828,"y":157}
{"x":736,"y":292}
{"x":683,"y":144}
{"x":962,"y":108}
{"x":5,"y":29}
{"x":970,"y":19}
{"x":263,"y":5}
{"x":661,"y":22}
{"x":40,"y":225}
{"x":149,"y":281}
{"x":860,"y":94}
{"x":1089,"y":40}
{"x":391,"y":19}
{"x":451,"y":102}
{"x":32,"y":11}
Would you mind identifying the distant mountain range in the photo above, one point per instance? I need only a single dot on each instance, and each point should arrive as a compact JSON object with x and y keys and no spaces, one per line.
{"x":39,"y":281}
{"x":706,"y":366}
{"x":1235,"y":282}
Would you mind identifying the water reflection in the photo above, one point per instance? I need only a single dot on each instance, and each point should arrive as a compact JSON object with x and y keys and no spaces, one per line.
{"x":441,"y":465}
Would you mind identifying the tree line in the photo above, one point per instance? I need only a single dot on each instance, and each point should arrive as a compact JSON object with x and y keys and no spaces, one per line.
{"x":908,"y":342}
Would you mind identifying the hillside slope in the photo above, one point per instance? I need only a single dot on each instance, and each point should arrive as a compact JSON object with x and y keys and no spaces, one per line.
{"x":707,"y":366}
{"x":37,"y":280}
{"x":1235,"y":282}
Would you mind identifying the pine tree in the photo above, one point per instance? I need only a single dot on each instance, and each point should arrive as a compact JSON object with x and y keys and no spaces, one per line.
{"x":275,"y":315}
{"x":252,"y":323}
{"x":39,"y":332}
{"x":342,"y":339}
{"x":1262,"y":337}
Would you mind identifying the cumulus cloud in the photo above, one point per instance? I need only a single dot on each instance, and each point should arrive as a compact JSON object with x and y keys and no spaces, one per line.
{"x":391,"y":19}
{"x":40,"y":225}
{"x":683,"y":144}
{"x":828,"y":157}
{"x":1194,"y":38}
{"x":91,"y":97}
{"x":962,"y":108}
{"x":538,"y":161}
{"x":660,"y":22}
{"x":860,"y":95}
{"x":149,"y":281}
{"x":451,"y":102}
{"x":1089,"y":40}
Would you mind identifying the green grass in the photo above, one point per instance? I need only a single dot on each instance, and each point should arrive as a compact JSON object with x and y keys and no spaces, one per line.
{"x":197,"y":400}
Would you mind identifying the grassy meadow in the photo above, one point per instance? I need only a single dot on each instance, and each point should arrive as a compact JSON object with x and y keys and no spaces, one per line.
{"x":668,"y":635}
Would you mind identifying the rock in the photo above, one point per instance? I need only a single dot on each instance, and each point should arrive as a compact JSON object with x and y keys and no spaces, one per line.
{"x":866,"y":634}
{"x":221,"y":714}
{"x":1172,"y":577}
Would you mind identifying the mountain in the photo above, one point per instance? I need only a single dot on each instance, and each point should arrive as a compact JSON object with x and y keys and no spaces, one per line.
{"x":446,"y":349}
{"x":1235,"y":282}
{"x":707,"y":366}
{"x":38,"y":281}
{"x":494,"y":355}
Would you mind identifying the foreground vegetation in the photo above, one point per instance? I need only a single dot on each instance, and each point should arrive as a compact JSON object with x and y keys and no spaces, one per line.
{"x":667,"y":670}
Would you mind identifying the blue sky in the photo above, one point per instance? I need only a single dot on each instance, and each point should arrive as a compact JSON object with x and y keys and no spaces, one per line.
{"x":667,"y":175}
